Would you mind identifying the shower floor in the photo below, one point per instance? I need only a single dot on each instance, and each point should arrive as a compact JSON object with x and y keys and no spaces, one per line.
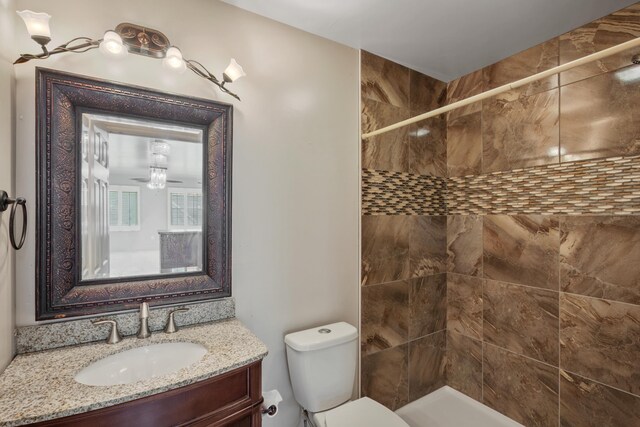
{"x":447,"y":407}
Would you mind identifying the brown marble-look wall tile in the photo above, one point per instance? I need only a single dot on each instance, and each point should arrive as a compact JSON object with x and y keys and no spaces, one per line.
{"x":383,"y":80}
{"x":427,"y":305}
{"x":520,"y":133}
{"x":384,"y":377}
{"x":464,"y":244}
{"x":599,"y":118}
{"x":522,"y":319}
{"x":464,"y":305}
{"x":522,"y":249}
{"x":524,"y":64}
{"x":385,"y":316}
{"x":464,"y":87}
{"x":464,"y":365}
{"x":520,"y":388}
{"x":585,"y":403}
{"x":428,"y":245}
{"x":599,"y":257}
{"x":600,"y":34}
{"x":464,"y":145}
{"x":425,"y":92}
{"x":600,"y":340}
{"x":385,"y":248}
{"x":389,"y":151}
{"x":428,"y":147}
{"x":427,"y":364}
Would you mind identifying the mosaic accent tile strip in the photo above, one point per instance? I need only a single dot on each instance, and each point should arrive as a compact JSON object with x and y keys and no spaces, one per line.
{"x":604,"y":186}
{"x":400,"y":193}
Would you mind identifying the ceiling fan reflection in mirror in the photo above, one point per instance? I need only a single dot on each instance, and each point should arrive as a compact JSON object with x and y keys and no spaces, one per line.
{"x":146,"y":180}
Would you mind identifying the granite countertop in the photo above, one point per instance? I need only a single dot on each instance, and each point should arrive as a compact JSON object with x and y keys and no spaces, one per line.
{"x":40,"y":386}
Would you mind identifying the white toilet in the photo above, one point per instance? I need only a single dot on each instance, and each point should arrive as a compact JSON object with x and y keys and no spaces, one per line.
{"x":322,"y":366}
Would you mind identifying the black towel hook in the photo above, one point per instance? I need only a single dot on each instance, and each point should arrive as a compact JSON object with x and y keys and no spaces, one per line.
{"x":5,"y":201}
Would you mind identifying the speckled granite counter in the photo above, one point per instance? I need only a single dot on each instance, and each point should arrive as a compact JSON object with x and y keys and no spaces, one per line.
{"x":40,"y":386}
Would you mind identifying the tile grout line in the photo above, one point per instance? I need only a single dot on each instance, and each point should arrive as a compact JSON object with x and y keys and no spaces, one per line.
{"x":562,"y":369}
{"x":401,"y":280}
{"x":600,"y":299}
{"x":483,"y":302}
{"x":426,"y":336}
{"x":559,"y":321}
{"x":522,"y":355}
{"x":562,"y":292}
{"x":637,"y":396}
{"x":409,"y":341}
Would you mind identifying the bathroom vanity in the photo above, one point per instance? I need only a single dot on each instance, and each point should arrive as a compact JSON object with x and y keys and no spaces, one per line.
{"x":221,"y":389}
{"x":232,"y":399}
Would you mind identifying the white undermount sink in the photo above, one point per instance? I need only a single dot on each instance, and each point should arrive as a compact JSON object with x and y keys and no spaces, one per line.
{"x":141,"y":363}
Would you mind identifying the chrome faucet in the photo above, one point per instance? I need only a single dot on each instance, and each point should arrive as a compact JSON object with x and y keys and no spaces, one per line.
{"x":144,"y":331}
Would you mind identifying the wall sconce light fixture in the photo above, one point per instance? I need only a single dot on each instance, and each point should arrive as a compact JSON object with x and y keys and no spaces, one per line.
{"x":126,"y":38}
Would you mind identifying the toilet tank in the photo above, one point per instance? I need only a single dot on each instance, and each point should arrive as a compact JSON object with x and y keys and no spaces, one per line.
{"x":322,"y":365}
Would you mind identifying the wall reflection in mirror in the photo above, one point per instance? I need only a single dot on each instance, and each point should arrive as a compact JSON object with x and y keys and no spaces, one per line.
{"x":141,"y":197}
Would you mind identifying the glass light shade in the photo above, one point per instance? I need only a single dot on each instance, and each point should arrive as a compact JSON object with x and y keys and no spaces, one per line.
{"x":37,"y":23}
{"x":233,"y":71}
{"x":160,"y":147}
{"x":157,"y":178}
{"x":173,"y":60}
{"x":112,"y":45}
{"x":159,"y":160}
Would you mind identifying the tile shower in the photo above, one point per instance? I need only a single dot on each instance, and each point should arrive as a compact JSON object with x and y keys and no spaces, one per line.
{"x":501,"y":242}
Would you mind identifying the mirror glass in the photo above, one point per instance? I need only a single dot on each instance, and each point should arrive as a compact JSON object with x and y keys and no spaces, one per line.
{"x":142,"y":206}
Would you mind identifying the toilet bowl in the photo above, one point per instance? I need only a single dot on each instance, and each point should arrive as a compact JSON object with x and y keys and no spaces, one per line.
{"x":361,"y":412}
{"x":322,"y":367}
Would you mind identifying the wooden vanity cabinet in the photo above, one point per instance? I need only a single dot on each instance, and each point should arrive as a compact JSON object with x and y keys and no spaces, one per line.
{"x":232,"y":399}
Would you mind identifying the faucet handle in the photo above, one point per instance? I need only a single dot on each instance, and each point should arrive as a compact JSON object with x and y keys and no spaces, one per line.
{"x":114,"y":336}
{"x":171,"y":323}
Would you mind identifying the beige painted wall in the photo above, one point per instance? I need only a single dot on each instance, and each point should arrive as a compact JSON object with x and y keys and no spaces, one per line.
{"x":7,"y":280}
{"x":295,"y":177}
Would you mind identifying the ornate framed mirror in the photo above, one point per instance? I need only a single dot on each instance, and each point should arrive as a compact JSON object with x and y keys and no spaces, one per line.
{"x":134,"y":197}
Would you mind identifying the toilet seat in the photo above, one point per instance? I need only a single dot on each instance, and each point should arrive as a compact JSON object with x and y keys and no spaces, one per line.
{"x":361,"y":412}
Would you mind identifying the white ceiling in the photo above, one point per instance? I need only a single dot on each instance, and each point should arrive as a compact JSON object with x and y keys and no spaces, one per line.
{"x":441,"y":38}
{"x":129,"y":161}
{"x":129,"y":155}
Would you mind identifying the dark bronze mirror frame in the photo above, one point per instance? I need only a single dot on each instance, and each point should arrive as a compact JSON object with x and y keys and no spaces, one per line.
{"x":60,"y":100}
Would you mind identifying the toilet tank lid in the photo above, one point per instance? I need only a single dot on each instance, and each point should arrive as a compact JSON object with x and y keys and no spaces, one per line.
{"x":321,"y":337}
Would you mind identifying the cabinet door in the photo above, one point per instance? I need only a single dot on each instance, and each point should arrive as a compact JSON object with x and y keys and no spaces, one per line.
{"x":249,"y":417}
{"x":244,"y":422}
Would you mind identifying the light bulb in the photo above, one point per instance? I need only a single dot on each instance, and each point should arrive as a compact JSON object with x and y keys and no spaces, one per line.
{"x":112,"y":45}
{"x":233,"y":72}
{"x":37,"y":25}
{"x":173,"y":60}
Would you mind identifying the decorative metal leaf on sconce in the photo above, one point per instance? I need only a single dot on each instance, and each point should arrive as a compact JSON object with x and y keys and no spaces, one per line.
{"x":126,"y":38}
